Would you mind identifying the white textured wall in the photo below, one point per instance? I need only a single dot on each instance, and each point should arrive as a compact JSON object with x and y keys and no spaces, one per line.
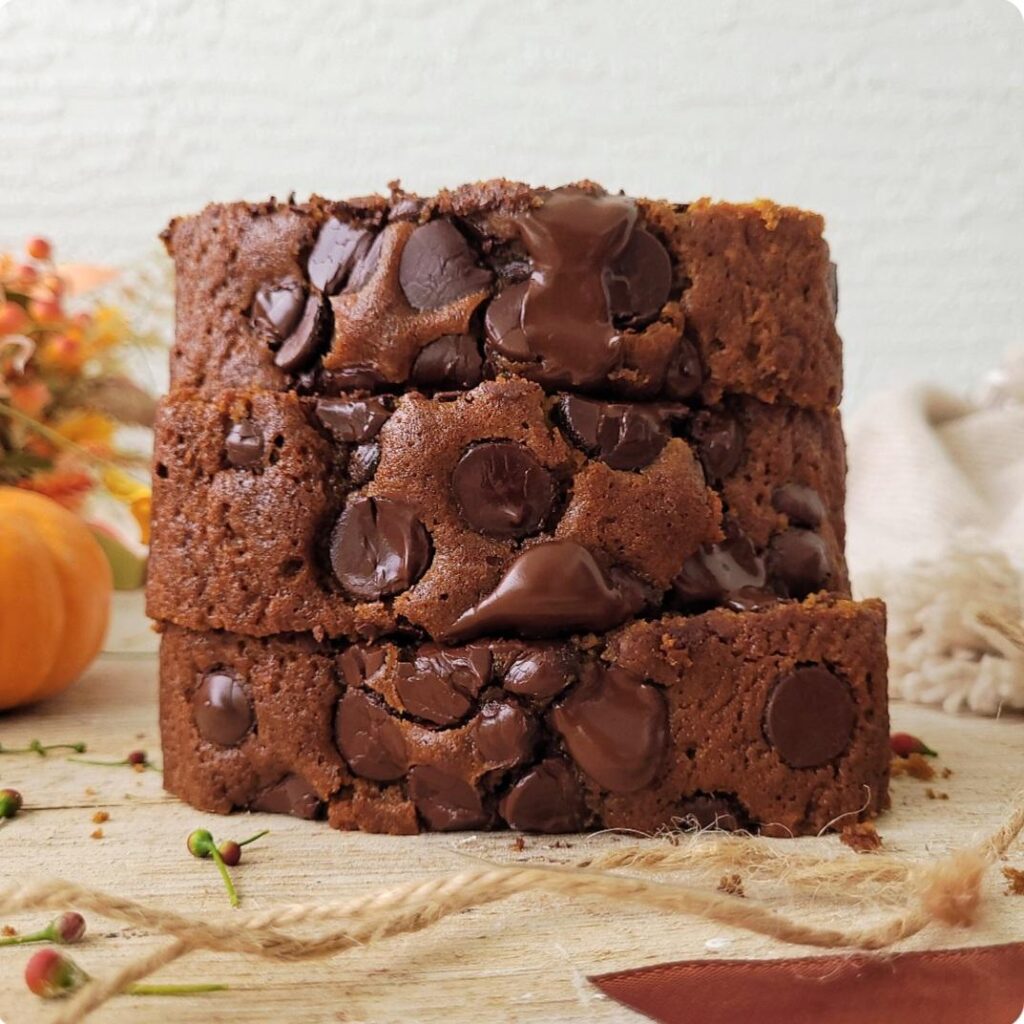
{"x":901,"y":120}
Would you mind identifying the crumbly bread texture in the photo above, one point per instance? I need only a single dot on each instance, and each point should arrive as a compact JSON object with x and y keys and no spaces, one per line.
{"x":471,"y":513}
{"x":706,"y":299}
{"x":773,"y":721}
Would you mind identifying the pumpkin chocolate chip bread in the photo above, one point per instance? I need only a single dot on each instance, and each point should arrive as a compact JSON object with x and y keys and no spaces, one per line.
{"x":510,"y":507}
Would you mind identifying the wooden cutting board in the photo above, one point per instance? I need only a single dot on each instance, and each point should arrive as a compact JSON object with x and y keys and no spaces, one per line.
{"x":523,"y":960}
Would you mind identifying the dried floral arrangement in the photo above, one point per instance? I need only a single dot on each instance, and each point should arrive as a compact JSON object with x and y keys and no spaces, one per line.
{"x":66,"y":396}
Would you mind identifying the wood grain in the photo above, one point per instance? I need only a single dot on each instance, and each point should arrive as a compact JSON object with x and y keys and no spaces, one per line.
{"x":524,"y":960}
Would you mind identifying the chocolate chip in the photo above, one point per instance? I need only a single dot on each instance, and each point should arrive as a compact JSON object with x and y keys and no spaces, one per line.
{"x":292,"y":795}
{"x":337,"y":382}
{"x":832,"y":284}
{"x":639,"y":280}
{"x":222,"y":709}
{"x":358,"y":663}
{"x":810,"y":717}
{"x":502,"y":490}
{"x":719,"y":571}
{"x":303,"y":344}
{"x":615,"y":727}
{"x":277,"y":308}
{"x":622,"y":436}
{"x":441,"y":685}
{"x":365,"y":265}
{"x":801,"y":505}
{"x":798,"y":563}
{"x":685,"y":373}
{"x":362,"y":463}
{"x":719,"y":441}
{"x":339,"y":246}
{"x":504,"y":734}
{"x":720,"y":811}
{"x":547,"y":798}
{"x":353,"y":420}
{"x":503,"y":324}
{"x":555,"y":587}
{"x":369,"y":739}
{"x":750,"y":599}
{"x":541,"y":674}
{"x":452,"y":361}
{"x":244,"y":444}
{"x":438,"y":266}
{"x":445,"y":802}
{"x":379,"y":547}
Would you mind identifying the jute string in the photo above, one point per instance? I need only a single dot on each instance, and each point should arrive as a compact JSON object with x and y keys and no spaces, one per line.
{"x":917,"y":893}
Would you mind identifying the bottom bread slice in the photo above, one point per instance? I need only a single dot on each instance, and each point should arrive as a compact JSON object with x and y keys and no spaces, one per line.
{"x":773,"y":721}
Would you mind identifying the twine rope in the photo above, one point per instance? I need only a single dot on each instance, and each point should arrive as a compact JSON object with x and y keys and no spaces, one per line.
{"x":947,"y":891}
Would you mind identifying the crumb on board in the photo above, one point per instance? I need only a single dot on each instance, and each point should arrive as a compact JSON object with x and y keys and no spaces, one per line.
{"x":96,"y":833}
{"x":89,"y":791}
{"x":731,"y":884}
{"x":916,"y":766}
{"x":946,"y":772}
{"x":1014,"y":881}
{"x":518,"y":844}
{"x":138,"y":768}
{"x":7,"y":931}
{"x":561,"y":844}
{"x":861,"y":836}
{"x":99,"y":817}
{"x":935,"y":794}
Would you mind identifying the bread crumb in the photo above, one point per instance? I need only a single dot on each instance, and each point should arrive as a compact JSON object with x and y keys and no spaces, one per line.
{"x":1014,"y":881}
{"x":914,"y":765}
{"x":934,"y":794}
{"x":96,"y":833}
{"x":138,"y":767}
{"x":731,"y":884}
{"x":99,"y":817}
{"x":519,"y":844}
{"x":89,"y":791}
{"x":946,"y":772}
{"x":861,"y":836}
{"x":7,"y":931}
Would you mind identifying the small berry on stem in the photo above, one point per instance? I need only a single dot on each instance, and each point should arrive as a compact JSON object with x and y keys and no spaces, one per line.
{"x":136,"y":759}
{"x":903,"y":744}
{"x":10,"y":803}
{"x":35,"y":747}
{"x":39,"y":248}
{"x":201,"y":844}
{"x":66,"y":930}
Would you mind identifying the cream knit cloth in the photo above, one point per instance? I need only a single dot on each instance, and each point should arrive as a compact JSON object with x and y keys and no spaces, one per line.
{"x":935,"y":513}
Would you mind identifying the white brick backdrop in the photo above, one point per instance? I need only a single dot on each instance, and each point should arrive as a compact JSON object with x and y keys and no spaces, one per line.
{"x":901,"y":120}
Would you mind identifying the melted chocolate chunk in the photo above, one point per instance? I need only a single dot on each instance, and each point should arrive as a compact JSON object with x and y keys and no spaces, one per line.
{"x":504,"y":734}
{"x":292,"y":795}
{"x":369,"y":739}
{"x":685,"y":373}
{"x":719,"y":441}
{"x":541,"y":674}
{"x":379,"y":547}
{"x":338,"y":382}
{"x":304,"y":343}
{"x":798,"y":563}
{"x":445,"y":802}
{"x":441,"y":685}
{"x":561,"y":320}
{"x":547,"y":798}
{"x":358,"y":663}
{"x":720,"y":811}
{"x":801,"y":505}
{"x":244,"y":444}
{"x":362,"y":463}
{"x":438,"y":266}
{"x":353,"y":420}
{"x":365,"y":265}
{"x":222,"y":709}
{"x":277,"y":308}
{"x":623,"y":436}
{"x":810,"y":717}
{"x":555,"y":587}
{"x":615,"y":727}
{"x":720,"y":572}
{"x":453,"y":361}
{"x":502,"y":490}
{"x":639,"y":281}
{"x":338,"y":248}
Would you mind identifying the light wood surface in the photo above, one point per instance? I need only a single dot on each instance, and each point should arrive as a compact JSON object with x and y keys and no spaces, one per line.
{"x":523,"y":960}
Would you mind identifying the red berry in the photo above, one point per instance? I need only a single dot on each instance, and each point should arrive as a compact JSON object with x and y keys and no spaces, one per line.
{"x":39,"y":248}
{"x":230,"y":852}
{"x":26,"y":274}
{"x":69,"y":928}
{"x":903,"y":744}
{"x":10,"y":803}
{"x":13,"y":319}
{"x":51,"y":974}
{"x":136,"y":757}
{"x":46,"y":311}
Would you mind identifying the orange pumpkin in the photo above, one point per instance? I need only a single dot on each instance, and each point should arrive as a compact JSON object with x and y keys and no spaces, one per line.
{"x":55,"y":587}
